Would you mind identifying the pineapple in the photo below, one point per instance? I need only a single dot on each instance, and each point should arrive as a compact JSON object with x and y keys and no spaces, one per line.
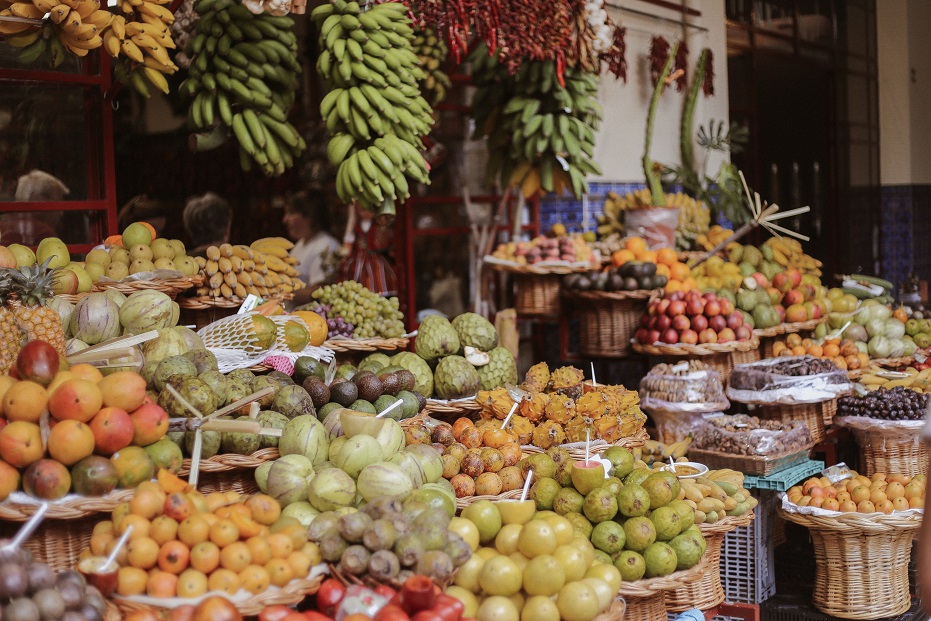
{"x":31,"y":314}
{"x":12,"y":336}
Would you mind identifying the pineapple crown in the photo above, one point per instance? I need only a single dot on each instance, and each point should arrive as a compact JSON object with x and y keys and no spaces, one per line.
{"x":32,"y":284}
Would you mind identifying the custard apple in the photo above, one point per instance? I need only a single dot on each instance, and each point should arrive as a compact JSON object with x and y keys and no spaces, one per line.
{"x":436,"y":338}
{"x":501,"y":370}
{"x":423,"y":375}
{"x":475,"y":331}
{"x":455,"y":378}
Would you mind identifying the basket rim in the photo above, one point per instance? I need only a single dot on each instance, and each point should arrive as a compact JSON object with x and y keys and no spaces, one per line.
{"x":704,"y":349}
{"x":231,"y":461}
{"x":639,"y":294}
{"x":882,"y":362}
{"x":547,"y":270}
{"x":369,"y":345}
{"x":71,"y":509}
{"x":204,"y":302}
{"x":651,"y":586}
{"x":789,"y":327}
{"x":465,"y":406}
{"x":756,"y":458}
{"x":854,"y":523}
{"x":638,"y":439}
{"x":731,"y":522}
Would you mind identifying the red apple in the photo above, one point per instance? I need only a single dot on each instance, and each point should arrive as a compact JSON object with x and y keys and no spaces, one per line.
{"x":782,"y":282}
{"x":743,"y":333}
{"x":735,"y":320}
{"x":727,"y":307}
{"x":688,"y":336}
{"x":680,"y":323}
{"x":653,"y":336}
{"x":663,"y":322}
{"x":676,"y":308}
{"x":796,"y":313}
{"x":699,"y":323}
{"x":708,"y":296}
{"x":726,"y":335}
{"x":663,"y":307}
{"x":712,"y":308}
{"x":670,"y":336}
{"x":695,"y":307}
{"x":793,"y":296}
{"x":795,"y":276}
{"x":717,"y":323}
{"x":708,"y":336}
{"x":760,"y":279}
{"x":642,"y":336}
{"x":781,"y":311}
{"x":677,"y":295}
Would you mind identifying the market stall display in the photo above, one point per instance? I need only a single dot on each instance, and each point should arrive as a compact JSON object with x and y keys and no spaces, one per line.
{"x":749,"y":444}
{"x":676,"y":395}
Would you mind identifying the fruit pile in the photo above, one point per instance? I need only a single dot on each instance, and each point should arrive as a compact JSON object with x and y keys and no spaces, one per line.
{"x":417,"y":598}
{"x":571,"y":248}
{"x":105,"y":315}
{"x":478,"y":459}
{"x":265,"y":269}
{"x":636,"y":518}
{"x":919,"y":329}
{"x":137,"y":250}
{"x":103,"y":431}
{"x":532,"y":565}
{"x":874,"y":329}
{"x":367,"y":314}
{"x":667,"y":263}
{"x":391,"y":541}
{"x":185,"y":543}
{"x":370,"y":388}
{"x":887,"y":403}
{"x":774,"y":256}
{"x":880,"y":493}
{"x":844,"y":353}
{"x":336,"y":327}
{"x":560,"y":409}
{"x":718,"y":494}
{"x":464,"y":354}
{"x":654,"y":451}
{"x":692,"y":318}
{"x":33,"y":590}
{"x":694,"y":217}
{"x":910,"y":377}
{"x":632,"y":276}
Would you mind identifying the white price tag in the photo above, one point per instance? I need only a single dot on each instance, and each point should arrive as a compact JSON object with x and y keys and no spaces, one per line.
{"x":249,"y":304}
{"x":837,"y":472}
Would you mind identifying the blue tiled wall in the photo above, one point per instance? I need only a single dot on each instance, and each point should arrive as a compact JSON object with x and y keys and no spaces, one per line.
{"x":905,"y":231}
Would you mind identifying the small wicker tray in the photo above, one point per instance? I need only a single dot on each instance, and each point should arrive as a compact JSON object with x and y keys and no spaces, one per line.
{"x":203,"y":302}
{"x":887,"y":363}
{"x":71,"y":509}
{"x":169,"y":286}
{"x":707,"y":592}
{"x":612,"y":296}
{"x":464,"y":407}
{"x":540,"y":270}
{"x":578,"y":453}
{"x":789,"y":328}
{"x":748,"y":464}
{"x":367,"y":345}
{"x":231,"y":461}
{"x":703,"y":349}
{"x":292,"y":593}
{"x":889,"y":446}
{"x":861,"y":568}
{"x":462,"y":503}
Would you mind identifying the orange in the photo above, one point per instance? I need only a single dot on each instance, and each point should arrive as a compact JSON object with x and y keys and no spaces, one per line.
{"x":885,"y":506}
{"x":114,"y":240}
{"x":279,"y":571}
{"x":224,"y":580}
{"x":281,"y":545}
{"x":205,"y":556}
{"x":70,"y":441}
{"x":144,"y":503}
{"x":235,"y":557}
{"x":255,"y":579}
{"x":673,"y":286}
{"x":830,"y":504}
{"x":666,"y":256}
{"x":99,"y":542}
{"x":798,"y":350}
{"x":847,"y":506}
{"x":300,"y":563}
{"x":316,"y":326}
{"x":224,"y":532}
{"x":150,"y":227}
{"x":141,"y":526}
{"x":663,"y":270}
{"x":877,"y":496}
{"x":142,"y":552}
{"x":815,"y":350}
{"x":260,"y":549}
{"x":635,"y":244}
{"x":131,"y":581}
{"x":215,"y":500}
{"x":860,"y":493}
{"x":173,"y":557}
{"x":620,"y":257}
{"x":297,"y":533}
{"x":689,"y":284}
{"x":778,"y":346}
{"x":900,"y":503}
{"x":163,"y":529}
{"x":192,"y":583}
{"x":162,"y":584}
{"x":121,"y":555}
{"x":866,"y":507}
{"x":87,"y":372}
{"x":103,"y":527}
{"x":916,"y":502}
{"x":679,"y":271}
{"x":647,"y":255}
{"x":194,"y":530}
{"x":25,"y":401}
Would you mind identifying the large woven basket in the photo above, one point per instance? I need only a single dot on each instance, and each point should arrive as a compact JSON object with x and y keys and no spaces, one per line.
{"x":769,"y":336}
{"x":808,"y":413}
{"x":707,"y":592}
{"x":537,"y":294}
{"x":608,"y":320}
{"x":646,"y":599}
{"x":887,"y":446}
{"x":719,"y":356}
{"x":73,"y":508}
{"x":748,"y":464}
{"x":577,"y":450}
{"x":861,"y":562}
{"x":169,"y":286}
{"x":57,"y":543}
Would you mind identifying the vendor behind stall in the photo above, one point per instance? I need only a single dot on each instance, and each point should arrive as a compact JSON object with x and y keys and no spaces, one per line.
{"x":207,"y":220}
{"x":307,"y":221}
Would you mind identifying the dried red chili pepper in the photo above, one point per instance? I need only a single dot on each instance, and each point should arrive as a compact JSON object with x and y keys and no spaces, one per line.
{"x":707,"y":84}
{"x":617,"y":55}
{"x":659,"y":52}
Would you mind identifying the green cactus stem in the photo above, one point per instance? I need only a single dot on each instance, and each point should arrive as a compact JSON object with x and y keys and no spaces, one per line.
{"x":686,"y":148}
{"x":653,"y":179}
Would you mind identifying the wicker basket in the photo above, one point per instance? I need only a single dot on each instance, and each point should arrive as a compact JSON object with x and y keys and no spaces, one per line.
{"x":861,"y":562}
{"x":608,"y":320}
{"x":646,"y":599}
{"x":292,"y":593}
{"x":577,"y":451}
{"x":707,"y":592}
{"x":58,"y":543}
{"x":748,"y":464}
{"x":886,"y":363}
{"x":366,"y":345}
{"x":232,"y":461}
{"x":828,"y":410}
{"x":887,"y":446}
{"x":809,"y":413}
{"x":200,"y":311}
{"x":71,"y":509}
{"x":169,"y":286}
{"x":719,"y":356}
{"x":537,"y":294}
{"x":769,"y":336}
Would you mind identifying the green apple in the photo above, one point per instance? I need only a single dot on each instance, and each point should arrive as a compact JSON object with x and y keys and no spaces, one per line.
{"x":54,"y":250}
{"x":99,"y":256}
{"x":95,"y":270}
{"x":164,"y":263}
{"x":161,"y":249}
{"x":85,"y":280}
{"x":136,"y":233}
{"x":23,"y":254}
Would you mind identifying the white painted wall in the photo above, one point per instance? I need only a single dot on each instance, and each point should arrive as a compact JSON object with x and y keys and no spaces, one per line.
{"x":904,"y":90}
{"x":619,"y":144}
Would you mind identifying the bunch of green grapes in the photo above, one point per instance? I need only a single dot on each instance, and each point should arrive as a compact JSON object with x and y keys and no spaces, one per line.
{"x":371,"y":315}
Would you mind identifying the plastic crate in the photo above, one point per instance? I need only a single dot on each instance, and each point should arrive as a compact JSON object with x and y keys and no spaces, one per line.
{"x":748,"y":573}
{"x":800,"y":608}
{"x":784,"y":479}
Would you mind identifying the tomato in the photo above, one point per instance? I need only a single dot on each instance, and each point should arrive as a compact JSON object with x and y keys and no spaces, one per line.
{"x":38,"y":362}
{"x":385,"y":591}
{"x":331,"y":593}
{"x":391,"y":612}
{"x":417,"y":593}
{"x":448,"y":608}
{"x":313,"y":615}
{"x":275,"y":613}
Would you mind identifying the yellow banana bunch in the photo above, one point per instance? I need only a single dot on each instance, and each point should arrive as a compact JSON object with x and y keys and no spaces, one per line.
{"x":715,"y":235}
{"x":876,"y":378}
{"x":142,"y":36}
{"x":432,"y":52}
{"x":677,"y":449}
{"x":73,"y":26}
{"x":715,"y":496}
{"x":788,"y":252}
{"x":233,"y":272}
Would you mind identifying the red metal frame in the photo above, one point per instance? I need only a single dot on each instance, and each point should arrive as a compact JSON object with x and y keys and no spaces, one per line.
{"x":95,"y":77}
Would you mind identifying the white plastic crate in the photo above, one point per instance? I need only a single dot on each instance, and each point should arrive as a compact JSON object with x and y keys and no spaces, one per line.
{"x":747,"y":571}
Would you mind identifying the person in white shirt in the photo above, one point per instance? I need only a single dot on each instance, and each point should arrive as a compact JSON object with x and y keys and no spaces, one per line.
{"x":307,"y":219}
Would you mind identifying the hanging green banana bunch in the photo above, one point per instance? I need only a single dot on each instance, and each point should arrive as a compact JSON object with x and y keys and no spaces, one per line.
{"x":432,"y":52}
